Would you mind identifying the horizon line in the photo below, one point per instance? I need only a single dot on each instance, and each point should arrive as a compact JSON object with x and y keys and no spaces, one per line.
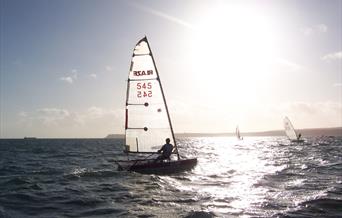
{"x":188,"y":133}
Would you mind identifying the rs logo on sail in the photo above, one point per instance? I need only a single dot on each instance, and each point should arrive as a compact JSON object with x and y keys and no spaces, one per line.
{"x":142,"y":72}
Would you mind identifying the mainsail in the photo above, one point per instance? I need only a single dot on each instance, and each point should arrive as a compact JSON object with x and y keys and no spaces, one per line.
{"x":147,"y":122}
{"x":237,"y":132}
{"x":289,"y":130}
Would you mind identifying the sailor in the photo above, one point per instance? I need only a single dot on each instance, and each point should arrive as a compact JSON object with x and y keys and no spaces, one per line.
{"x":166,"y":151}
{"x":299,"y":135}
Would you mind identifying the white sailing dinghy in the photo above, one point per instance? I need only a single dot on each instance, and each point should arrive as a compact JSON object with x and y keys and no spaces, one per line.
{"x":147,"y":120}
{"x":237,"y":132}
{"x":290,"y":131}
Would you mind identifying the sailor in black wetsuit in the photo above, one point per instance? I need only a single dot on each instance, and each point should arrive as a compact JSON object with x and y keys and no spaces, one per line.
{"x":166,"y":151}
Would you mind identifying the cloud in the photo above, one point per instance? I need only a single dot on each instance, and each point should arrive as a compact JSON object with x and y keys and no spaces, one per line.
{"x":314,"y":114}
{"x":53,"y":111}
{"x":287,"y":65}
{"x":22,"y":114}
{"x":162,"y":15}
{"x":253,"y":117}
{"x":71,"y":78}
{"x":337,"y":85}
{"x":307,"y":31}
{"x":96,"y":112}
{"x":319,"y":28}
{"x":332,"y":56}
{"x":51,"y":116}
{"x":301,"y":107}
{"x":97,"y":121}
{"x":93,"y":75}
{"x":310,"y":108}
{"x":109,"y":68}
{"x":67,"y":79}
{"x":46,"y":117}
{"x":59,"y":122}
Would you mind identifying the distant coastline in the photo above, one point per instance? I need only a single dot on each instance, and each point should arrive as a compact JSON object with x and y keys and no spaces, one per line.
{"x":115,"y":136}
{"x":334,"y":131}
{"x":30,"y":137}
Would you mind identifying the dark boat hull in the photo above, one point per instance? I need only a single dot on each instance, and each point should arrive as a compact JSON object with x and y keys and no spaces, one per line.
{"x":297,"y":141}
{"x":164,"y":167}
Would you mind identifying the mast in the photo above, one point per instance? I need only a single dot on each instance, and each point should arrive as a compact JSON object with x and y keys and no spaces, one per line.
{"x":126,"y":109}
{"x":162,"y":91}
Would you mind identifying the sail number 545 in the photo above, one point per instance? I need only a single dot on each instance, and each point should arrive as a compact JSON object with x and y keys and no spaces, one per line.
{"x":142,"y":90}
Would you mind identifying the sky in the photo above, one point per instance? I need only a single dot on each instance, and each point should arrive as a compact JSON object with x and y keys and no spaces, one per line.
{"x":64,"y":64}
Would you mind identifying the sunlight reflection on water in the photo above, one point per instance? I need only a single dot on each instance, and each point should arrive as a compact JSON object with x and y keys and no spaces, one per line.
{"x":229,"y":170}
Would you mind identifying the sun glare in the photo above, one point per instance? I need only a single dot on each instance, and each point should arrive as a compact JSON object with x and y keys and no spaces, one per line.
{"x":232,"y":48}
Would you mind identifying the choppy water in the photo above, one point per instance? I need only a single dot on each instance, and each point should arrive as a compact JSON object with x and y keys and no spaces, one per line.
{"x":256,"y":177}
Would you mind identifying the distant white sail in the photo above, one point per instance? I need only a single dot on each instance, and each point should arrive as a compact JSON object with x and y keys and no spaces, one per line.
{"x":237,"y":132}
{"x":289,"y":130}
{"x":147,"y":120}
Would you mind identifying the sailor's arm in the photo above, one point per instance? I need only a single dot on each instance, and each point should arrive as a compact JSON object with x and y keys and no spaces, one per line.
{"x":162,"y":148}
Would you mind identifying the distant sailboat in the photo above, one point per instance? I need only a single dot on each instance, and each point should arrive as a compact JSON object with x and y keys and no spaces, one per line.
{"x":290,"y":131}
{"x":147,"y":120}
{"x":237,"y":132}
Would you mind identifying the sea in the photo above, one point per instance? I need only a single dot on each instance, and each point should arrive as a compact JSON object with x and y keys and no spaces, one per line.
{"x":253,"y":177}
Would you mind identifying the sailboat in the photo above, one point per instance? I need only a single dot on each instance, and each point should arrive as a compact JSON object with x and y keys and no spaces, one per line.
{"x":147,"y":119}
{"x":290,"y":131}
{"x":237,"y":132}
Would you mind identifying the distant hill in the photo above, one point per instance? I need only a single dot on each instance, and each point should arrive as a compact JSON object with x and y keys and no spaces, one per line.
{"x":334,"y":131}
{"x":115,"y":136}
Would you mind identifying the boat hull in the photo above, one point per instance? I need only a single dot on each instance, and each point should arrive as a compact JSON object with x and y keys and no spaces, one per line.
{"x":298,"y":141}
{"x":164,"y":167}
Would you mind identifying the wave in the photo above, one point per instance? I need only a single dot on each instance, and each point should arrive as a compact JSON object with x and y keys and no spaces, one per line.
{"x":200,"y":214}
{"x":82,"y":202}
{"x":85,"y":173}
{"x":103,"y":212}
{"x":324,"y":207}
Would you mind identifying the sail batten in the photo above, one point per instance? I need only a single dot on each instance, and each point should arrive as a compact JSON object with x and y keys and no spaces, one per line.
{"x":142,"y":79}
{"x":147,"y":119}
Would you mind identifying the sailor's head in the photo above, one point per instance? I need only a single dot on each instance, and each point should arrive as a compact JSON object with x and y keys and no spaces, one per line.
{"x":167,"y":140}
